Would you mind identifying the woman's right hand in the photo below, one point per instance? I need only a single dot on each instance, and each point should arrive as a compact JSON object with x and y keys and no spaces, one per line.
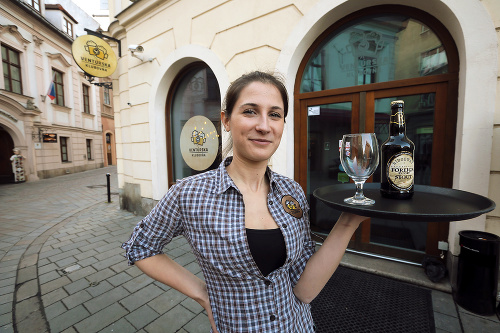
{"x":206,"y":305}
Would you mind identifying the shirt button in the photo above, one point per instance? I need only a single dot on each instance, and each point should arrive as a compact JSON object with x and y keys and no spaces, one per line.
{"x":142,"y":225}
{"x":273,"y":317}
{"x":284,"y":226}
{"x":270,"y":203}
{"x":267,"y":282}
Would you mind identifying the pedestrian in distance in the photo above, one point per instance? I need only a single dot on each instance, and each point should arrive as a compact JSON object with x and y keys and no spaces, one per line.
{"x":247,"y":226}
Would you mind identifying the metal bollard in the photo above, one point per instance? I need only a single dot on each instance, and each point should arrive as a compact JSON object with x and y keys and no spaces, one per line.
{"x":109,"y":187}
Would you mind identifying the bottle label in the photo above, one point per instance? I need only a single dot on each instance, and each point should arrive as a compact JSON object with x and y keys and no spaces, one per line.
{"x":400,"y":171}
{"x":398,"y":118}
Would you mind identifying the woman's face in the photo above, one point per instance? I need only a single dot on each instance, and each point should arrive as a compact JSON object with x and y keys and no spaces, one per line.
{"x":256,"y":123}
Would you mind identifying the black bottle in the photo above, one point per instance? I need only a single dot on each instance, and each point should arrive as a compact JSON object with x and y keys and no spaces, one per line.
{"x":397,"y":163}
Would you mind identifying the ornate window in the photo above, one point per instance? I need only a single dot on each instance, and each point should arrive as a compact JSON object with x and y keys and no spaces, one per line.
{"x":59,"y":87}
{"x":86,"y":99}
{"x":11,"y":70}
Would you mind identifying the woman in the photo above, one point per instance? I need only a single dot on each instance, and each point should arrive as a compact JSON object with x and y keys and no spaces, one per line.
{"x":248,"y":226}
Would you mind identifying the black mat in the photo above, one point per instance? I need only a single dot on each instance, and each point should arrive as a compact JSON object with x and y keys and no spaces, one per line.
{"x":354,"y":301}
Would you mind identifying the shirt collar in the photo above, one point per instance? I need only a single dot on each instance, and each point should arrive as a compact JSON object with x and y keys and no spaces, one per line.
{"x":224,"y":181}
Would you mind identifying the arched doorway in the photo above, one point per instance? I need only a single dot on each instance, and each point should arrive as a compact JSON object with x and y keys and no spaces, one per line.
{"x":195,"y":92}
{"x":345,"y":84}
{"x":6,"y":146}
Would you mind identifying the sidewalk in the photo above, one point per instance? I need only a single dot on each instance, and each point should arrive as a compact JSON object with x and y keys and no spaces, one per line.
{"x":62,"y":268}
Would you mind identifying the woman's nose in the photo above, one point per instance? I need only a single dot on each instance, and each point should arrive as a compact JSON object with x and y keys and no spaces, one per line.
{"x":263,"y":125}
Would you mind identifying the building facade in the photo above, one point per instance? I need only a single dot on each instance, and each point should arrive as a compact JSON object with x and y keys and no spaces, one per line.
{"x":343,"y":61}
{"x":56,"y":136}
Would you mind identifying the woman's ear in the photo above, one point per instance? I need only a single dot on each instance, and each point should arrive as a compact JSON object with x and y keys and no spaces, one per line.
{"x":225,"y":121}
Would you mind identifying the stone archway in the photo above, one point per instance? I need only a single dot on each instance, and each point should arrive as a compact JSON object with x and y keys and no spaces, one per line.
{"x":6,"y":146}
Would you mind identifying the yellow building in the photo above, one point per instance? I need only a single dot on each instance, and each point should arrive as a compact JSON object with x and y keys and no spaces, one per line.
{"x":344,"y":61}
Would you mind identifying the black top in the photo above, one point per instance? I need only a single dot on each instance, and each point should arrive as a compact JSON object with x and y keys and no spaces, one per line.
{"x":268,"y":249}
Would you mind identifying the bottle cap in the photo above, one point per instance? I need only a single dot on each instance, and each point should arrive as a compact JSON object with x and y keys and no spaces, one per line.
{"x":398,"y":102}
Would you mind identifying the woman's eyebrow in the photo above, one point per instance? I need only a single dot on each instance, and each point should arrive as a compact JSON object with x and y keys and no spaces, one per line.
{"x":254,"y":105}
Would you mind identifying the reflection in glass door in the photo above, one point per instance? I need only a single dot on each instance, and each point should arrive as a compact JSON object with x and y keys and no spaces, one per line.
{"x":327,"y":123}
{"x":419,"y":116}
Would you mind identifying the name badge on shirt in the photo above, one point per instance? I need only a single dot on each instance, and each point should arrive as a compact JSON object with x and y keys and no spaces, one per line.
{"x":291,"y":206}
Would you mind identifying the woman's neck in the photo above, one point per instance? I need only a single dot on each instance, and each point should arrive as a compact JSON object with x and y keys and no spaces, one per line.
{"x":251,"y":175}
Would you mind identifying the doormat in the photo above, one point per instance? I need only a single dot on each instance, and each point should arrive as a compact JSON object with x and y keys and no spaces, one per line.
{"x":355,"y":301}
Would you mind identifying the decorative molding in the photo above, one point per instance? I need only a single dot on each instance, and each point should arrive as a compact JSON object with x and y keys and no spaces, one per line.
{"x":9,"y":116}
{"x":38,"y":41}
{"x":13,"y":30}
{"x":60,"y":57}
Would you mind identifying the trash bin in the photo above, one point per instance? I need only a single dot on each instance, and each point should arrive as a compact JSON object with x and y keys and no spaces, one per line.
{"x":477,"y":274}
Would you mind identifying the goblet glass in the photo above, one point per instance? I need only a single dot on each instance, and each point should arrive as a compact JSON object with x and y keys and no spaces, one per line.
{"x":359,"y":156}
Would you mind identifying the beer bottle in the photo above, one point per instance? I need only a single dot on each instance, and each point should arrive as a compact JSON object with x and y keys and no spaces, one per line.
{"x":397,"y":166}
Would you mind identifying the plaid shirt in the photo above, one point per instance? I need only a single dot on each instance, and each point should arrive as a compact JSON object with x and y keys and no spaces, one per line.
{"x":208,"y":210}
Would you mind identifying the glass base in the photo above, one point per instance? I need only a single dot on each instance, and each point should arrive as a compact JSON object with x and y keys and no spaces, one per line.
{"x":359,"y":201}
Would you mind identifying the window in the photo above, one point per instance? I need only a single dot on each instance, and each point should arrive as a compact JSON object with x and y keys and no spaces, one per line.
{"x":86,"y":99}
{"x":107,"y":99}
{"x":35,"y":4}
{"x":59,"y":85}
{"x":89,"y":149}
{"x":64,"y":149}
{"x":67,"y":27}
{"x":11,"y":70}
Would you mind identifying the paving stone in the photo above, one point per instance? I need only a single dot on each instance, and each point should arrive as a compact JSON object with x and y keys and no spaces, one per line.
{"x":54,"y":296}
{"x":26,"y":274}
{"x":100,"y":275}
{"x":87,"y":262}
{"x":475,"y":323}
{"x":120,"y":326}
{"x":54,"y":310}
{"x":101,"y":319}
{"x":167,"y":301}
{"x":42,"y":269}
{"x":63,"y":263}
{"x":27,"y":290}
{"x":76,"y":299}
{"x":142,"y":316}
{"x":171,"y":321}
{"x":26,"y":308}
{"x":138,"y":283}
{"x":141,"y":297}
{"x":76,"y":286}
{"x":52,"y":275}
{"x":100,"y":302}
{"x":99,"y":289}
{"x":64,"y":255}
{"x":446,"y":322}
{"x":81,"y":273}
{"x":68,"y":319}
{"x":119,"y":279}
{"x":107,"y":262}
{"x":200,"y":324}
{"x":54,"y":284}
{"x":192,"y":305}
{"x":86,"y":254}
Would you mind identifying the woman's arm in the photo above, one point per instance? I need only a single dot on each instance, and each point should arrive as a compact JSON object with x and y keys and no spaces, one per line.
{"x":325,"y":261}
{"x":163,"y":269}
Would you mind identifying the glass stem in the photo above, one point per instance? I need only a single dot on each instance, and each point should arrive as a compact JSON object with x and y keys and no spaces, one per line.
{"x":359,"y":190}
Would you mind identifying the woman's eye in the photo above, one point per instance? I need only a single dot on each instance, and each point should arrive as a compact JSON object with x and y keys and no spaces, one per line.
{"x":275,"y":115}
{"x":249,"y":111}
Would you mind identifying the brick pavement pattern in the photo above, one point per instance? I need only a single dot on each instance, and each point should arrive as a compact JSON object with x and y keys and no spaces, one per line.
{"x":62,"y":268}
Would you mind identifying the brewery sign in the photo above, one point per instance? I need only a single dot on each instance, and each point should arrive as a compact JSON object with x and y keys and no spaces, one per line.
{"x":199,"y":143}
{"x":49,"y":137}
{"x":94,"y":56}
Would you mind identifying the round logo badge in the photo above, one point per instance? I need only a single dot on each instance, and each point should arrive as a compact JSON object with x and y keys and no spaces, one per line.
{"x":291,"y":206}
{"x":199,"y":143}
{"x":94,"y":56}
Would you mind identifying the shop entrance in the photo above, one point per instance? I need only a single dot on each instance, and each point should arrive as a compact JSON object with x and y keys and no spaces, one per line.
{"x":6,"y":146}
{"x":345,"y":85}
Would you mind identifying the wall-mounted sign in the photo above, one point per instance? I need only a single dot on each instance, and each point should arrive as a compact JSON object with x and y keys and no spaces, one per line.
{"x":94,"y":56}
{"x":199,"y":143}
{"x":49,"y":137}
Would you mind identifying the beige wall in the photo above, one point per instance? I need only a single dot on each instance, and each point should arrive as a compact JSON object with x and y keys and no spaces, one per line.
{"x":237,"y":36}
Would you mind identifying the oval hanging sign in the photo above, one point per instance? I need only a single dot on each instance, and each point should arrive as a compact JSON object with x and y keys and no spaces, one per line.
{"x":199,"y":143}
{"x":94,"y":56}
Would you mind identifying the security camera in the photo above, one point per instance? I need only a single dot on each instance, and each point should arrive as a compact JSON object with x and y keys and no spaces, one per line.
{"x":136,"y":48}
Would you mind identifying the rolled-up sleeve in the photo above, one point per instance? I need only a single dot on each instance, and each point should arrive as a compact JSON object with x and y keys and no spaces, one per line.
{"x":156,"y":230}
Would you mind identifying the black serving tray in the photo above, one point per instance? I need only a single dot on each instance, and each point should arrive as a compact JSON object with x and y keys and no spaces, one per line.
{"x":428,"y":204}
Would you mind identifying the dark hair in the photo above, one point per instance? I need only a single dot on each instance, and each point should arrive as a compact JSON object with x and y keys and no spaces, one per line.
{"x":234,"y":90}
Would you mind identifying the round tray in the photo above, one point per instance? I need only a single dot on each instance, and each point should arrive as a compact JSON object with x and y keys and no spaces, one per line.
{"x":428,"y":204}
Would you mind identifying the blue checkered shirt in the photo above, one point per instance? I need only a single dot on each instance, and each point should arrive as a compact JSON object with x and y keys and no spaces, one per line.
{"x":208,"y":210}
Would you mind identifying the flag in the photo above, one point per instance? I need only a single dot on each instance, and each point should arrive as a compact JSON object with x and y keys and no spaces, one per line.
{"x":52,"y":90}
